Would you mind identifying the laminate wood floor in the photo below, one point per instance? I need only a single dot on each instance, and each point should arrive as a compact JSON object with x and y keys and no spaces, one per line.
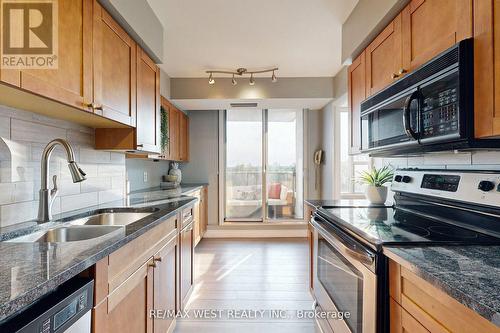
{"x":256,"y":286}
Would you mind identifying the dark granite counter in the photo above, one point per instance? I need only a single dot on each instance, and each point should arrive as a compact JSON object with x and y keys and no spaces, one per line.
{"x":469,"y":274}
{"x":31,"y":270}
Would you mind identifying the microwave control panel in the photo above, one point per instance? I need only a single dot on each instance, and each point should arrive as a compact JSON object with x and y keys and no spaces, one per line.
{"x":440,"y":114}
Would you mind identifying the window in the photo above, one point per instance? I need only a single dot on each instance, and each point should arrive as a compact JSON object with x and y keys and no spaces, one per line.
{"x":350,"y":166}
{"x":263,"y":165}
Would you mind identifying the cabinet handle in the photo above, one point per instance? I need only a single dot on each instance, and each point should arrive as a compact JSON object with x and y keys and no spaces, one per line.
{"x":98,"y":107}
{"x":89,"y":105}
{"x":140,"y":145}
{"x":157,"y":259}
{"x":394,"y":76}
{"x":402,"y":71}
{"x":152,"y":264}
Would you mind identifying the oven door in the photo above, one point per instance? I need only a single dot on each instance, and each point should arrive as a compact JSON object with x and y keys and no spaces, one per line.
{"x":345,"y":280}
{"x":392,"y":123}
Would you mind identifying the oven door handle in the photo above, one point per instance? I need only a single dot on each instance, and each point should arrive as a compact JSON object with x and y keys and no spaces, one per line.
{"x":346,"y":246}
{"x":406,"y":115}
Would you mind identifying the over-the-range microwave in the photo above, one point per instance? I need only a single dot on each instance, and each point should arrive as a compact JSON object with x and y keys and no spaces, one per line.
{"x":430,"y":109}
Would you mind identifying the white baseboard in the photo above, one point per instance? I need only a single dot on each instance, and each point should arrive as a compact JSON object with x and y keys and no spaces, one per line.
{"x":257,"y":233}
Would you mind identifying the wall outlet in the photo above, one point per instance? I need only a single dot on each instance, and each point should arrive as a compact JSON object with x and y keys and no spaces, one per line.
{"x":145,"y":176}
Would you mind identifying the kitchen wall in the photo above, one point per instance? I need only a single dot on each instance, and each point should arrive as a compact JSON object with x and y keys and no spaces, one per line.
{"x":23,"y":137}
{"x":136,"y":169}
{"x":203,"y":163}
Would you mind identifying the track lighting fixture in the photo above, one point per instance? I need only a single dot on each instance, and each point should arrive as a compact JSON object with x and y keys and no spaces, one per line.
{"x":252,"y":81}
{"x":241,"y":72}
{"x":274,"y":79}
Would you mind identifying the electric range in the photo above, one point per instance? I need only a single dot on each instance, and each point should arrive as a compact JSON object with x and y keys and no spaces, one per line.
{"x":432,"y":207}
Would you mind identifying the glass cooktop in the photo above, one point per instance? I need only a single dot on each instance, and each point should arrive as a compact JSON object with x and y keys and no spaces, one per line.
{"x":390,"y":225}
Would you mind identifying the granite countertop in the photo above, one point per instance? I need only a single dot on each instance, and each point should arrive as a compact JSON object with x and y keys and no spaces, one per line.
{"x":469,"y":274}
{"x":31,"y":270}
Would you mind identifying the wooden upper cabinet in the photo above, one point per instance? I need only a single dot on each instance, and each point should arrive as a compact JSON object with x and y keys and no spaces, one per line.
{"x":487,"y":68}
{"x":184,"y":137}
{"x":114,"y":55}
{"x":173,"y":125}
{"x":356,"y":94}
{"x":71,"y":82}
{"x":384,"y":58}
{"x":148,"y":104}
{"x":431,"y":26}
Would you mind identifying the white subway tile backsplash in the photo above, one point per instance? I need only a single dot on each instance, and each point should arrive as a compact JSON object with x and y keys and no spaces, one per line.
{"x":96,"y":184}
{"x":111,"y":170}
{"x":5,"y":127}
{"x":78,"y":201}
{"x":28,"y":131}
{"x":486,"y":157}
{"x":447,"y":158}
{"x":94,"y":156}
{"x":110,"y":195}
{"x":24,"y":191}
{"x":6,"y":193}
{"x":18,"y":212}
{"x":24,"y":137}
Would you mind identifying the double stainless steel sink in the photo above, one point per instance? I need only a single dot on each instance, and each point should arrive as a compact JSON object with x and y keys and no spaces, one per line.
{"x":99,"y":223}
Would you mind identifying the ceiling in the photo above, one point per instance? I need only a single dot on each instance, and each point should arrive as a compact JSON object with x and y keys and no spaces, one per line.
{"x":301,"y":37}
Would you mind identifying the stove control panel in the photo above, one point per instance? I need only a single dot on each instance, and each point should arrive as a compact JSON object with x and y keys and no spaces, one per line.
{"x":481,"y":187}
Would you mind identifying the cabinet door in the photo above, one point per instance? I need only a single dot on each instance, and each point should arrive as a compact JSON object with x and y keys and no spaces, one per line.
{"x":402,"y":321}
{"x":203,"y":211}
{"x":383,"y":58}
{"x":71,"y":82}
{"x":164,"y":295}
{"x":186,"y":263}
{"x":127,"y":307}
{"x":356,"y":94}
{"x":148,"y":104}
{"x":174,"y":134}
{"x":432,"y":26}
{"x":487,"y":68}
{"x":114,"y":55}
{"x":184,"y":137}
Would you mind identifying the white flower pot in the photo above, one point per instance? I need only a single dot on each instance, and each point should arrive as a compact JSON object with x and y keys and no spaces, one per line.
{"x":376,"y":194}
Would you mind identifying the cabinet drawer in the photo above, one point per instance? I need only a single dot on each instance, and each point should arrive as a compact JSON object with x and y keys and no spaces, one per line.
{"x":431,"y":307}
{"x":402,"y":321}
{"x":123,"y":262}
{"x":187,"y":216}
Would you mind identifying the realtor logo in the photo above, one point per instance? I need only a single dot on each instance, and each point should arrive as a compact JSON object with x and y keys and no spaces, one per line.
{"x":29,"y":34}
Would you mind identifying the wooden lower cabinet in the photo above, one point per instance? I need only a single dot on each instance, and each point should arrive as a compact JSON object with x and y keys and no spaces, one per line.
{"x":126,"y":308}
{"x":417,"y":306}
{"x":200,"y":214}
{"x":164,"y":295}
{"x":142,"y":276}
{"x":402,"y":321}
{"x":186,"y":279}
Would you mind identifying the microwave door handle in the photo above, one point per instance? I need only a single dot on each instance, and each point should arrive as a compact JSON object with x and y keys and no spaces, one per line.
{"x":406,"y":115}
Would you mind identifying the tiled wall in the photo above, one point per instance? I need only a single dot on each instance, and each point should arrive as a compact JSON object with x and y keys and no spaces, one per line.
{"x":479,"y":160}
{"x":23,"y":137}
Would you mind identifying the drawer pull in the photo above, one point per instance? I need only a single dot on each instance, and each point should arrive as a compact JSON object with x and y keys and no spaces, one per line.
{"x":158,"y":259}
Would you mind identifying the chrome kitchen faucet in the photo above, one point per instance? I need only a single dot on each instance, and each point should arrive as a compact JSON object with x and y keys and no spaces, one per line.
{"x":47,"y":196}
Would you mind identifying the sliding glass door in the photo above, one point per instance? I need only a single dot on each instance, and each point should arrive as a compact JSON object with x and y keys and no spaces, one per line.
{"x":263,"y":165}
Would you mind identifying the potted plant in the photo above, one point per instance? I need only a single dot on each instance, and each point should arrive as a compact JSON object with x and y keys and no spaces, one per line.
{"x":374,"y":179}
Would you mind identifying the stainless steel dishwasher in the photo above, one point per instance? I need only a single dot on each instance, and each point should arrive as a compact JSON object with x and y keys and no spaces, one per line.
{"x":66,"y":309}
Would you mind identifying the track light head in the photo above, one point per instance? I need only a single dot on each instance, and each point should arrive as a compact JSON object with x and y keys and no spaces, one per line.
{"x":274,"y":78}
{"x":233,"y":81}
{"x":252,"y":81}
{"x":211,"y":79}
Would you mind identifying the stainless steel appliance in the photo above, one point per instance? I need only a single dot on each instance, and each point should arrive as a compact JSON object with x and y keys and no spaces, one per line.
{"x":431,"y":207}
{"x":430,"y":109}
{"x":67,"y":309}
